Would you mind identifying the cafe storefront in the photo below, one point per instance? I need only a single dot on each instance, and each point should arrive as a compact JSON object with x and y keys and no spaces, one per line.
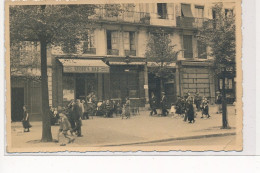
{"x":108,"y":78}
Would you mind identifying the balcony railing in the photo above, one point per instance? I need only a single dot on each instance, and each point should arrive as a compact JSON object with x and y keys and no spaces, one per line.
{"x":112,"y":52}
{"x":89,"y":50}
{"x":130,"y":52}
{"x":190,"y":22}
{"x":127,"y":16}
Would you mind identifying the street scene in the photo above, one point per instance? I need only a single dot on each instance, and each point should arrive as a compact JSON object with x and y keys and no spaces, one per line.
{"x":124,"y":75}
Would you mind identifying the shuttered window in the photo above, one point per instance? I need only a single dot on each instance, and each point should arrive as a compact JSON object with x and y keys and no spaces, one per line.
{"x":187,"y":43}
{"x":162,"y":10}
{"x":199,"y":11}
{"x":186,"y":10}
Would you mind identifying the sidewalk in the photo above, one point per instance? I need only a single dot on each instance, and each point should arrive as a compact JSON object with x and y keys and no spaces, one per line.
{"x":140,"y":129}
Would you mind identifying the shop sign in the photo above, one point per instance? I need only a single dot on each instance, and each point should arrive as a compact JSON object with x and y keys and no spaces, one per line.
{"x":85,"y":69}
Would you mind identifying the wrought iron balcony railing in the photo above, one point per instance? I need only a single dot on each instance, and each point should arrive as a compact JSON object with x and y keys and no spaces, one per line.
{"x":89,"y":50}
{"x":127,"y":16}
{"x":190,"y":22}
{"x":130,"y":52}
{"x":112,"y":52}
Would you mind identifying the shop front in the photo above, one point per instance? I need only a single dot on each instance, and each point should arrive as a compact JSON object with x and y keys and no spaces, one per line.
{"x":80,"y":77}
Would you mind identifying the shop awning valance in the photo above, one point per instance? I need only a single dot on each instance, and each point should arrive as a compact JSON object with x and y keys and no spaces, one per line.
{"x":186,"y":10}
{"x":84,"y":66}
{"x":153,"y":64}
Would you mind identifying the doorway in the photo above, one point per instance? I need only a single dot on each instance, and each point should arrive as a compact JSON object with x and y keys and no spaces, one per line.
{"x":80,"y":88}
{"x":17,"y":102}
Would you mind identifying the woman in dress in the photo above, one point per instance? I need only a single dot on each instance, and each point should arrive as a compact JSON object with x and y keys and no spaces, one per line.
{"x":25,"y":121}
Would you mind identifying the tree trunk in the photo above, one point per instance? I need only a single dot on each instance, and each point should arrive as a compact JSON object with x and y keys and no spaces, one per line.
{"x":46,"y":124}
{"x":224,"y":104}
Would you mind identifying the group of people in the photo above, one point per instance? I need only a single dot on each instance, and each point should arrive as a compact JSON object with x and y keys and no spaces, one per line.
{"x":163,"y":105}
{"x":183,"y":107}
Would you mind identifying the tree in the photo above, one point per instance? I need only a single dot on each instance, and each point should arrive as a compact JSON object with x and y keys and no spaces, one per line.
{"x":219,"y":35}
{"x":49,"y":25}
{"x":52,"y":25}
{"x":160,"y":52}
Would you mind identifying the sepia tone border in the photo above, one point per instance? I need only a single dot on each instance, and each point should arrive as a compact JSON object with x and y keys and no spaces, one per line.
{"x":239,"y":94}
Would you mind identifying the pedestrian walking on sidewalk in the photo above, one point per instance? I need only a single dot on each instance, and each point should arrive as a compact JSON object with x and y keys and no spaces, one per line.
{"x":25,"y":120}
{"x":64,"y":128}
{"x":153,"y":105}
{"x":190,"y":111}
{"x":77,"y":114}
{"x":127,"y":108}
{"x":164,"y":105}
{"x":219,"y":102}
{"x":205,"y":108}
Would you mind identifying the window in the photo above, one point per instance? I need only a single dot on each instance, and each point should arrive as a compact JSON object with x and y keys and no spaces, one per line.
{"x":129,"y":43}
{"x":187,"y":43}
{"x":112,"y":43}
{"x":199,"y":11}
{"x":186,"y":10}
{"x":213,"y":14}
{"x":162,"y":10}
{"x":228,"y":12}
{"x":89,"y":44}
{"x":228,"y":83}
{"x":202,"y":50}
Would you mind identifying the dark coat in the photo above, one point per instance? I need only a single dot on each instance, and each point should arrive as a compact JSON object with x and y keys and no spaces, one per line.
{"x":153,"y":102}
{"x":77,"y":112}
{"x":164,"y":102}
{"x":190,"y":112}
{"x":25,"y":121}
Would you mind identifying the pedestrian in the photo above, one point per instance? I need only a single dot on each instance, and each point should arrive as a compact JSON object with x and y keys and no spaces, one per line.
{"x":219,"y":102}
{"x":205,"y":108}
{"x":77,"y":114}
{"x":163,"y":105}
{"x":25,"y":120}
{"x":70,"y":113}
{"x":178,"y":106}
{"x":153,"y":105}
{"x":173,"y":110}
{"x":127,"y":108}
{"x":197,"y":101}
{"x":64,"y":128}
{"x":190,"y":111}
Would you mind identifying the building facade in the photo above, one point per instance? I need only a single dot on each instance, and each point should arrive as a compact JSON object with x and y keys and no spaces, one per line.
{"x":111,"y":61}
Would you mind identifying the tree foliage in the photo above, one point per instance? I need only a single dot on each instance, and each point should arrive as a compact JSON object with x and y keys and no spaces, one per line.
{"x":220,"y":35}
{"x":160,"y":52}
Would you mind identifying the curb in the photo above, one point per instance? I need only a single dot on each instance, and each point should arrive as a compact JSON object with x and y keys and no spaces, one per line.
{"x":173,"y":139}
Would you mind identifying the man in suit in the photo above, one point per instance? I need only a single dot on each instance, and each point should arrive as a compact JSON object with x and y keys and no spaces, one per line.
{"x":163,"y":105}
{"x":77,"y":112}
{"x":153,"y":105}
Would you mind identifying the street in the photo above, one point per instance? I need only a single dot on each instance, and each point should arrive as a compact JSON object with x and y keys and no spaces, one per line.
{"x":138,"y":130}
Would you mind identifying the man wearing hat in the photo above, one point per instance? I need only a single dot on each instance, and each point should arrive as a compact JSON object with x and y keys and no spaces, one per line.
{"x":219,"y":102}
{"x":163,"y":105}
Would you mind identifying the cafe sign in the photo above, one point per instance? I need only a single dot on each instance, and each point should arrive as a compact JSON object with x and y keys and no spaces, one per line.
{"x":85,"y":69}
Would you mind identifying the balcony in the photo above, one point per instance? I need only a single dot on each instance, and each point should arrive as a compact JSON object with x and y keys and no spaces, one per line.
{"x":130,"y":52}
{"x":112,"y":52}
{"x":190,"y":22}
{"x":127,"y":16}
{"x":89,"y":51}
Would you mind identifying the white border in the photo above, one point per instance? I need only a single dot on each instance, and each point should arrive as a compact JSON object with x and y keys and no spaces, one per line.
{"x":159,"y":164}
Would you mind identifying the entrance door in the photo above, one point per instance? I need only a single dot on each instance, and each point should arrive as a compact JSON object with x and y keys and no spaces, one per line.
{"x":17,"y":102}
{"x":80,"y":88}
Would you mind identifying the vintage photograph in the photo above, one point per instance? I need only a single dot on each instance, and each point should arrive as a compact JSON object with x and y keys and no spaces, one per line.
{"x":139,"y":76}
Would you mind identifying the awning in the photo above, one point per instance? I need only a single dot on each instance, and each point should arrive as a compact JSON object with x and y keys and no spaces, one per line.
{"x":186,"y":10}
{"x":124,"y":63}
{"x":154,"y":64}
{"x":84,"y":66}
